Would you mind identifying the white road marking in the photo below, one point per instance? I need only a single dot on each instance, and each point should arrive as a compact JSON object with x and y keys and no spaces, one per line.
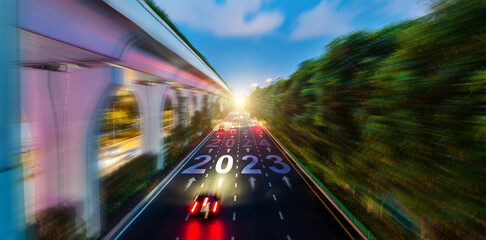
{"x":274,"y":198}
{"x":234,"y":216}
{"x":263,"y":166}
{"x":286,"y":180}
{"x":207,"y":175}
{"x":220,"y":181}
{"x":269,"y":184}
{"x":252,"y":183}
{"x":177,"y":238}
{"x":232,"y":238}
{"x":202,"y":185}
{"x":237,"y":175}
{"x":189,"y":183}
{"x":281,"y":216}
{"x":210,"y":167}
{"x":187,"y":217}
{"x":236,"y":167}
{"x":266,"y":174}
{"x":236,"y":185}
{"x":234,"y":198}
{"x":288,"y":237}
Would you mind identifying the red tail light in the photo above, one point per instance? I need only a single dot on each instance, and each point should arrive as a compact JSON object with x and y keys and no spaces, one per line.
{"x":194,"y":205}
{"x":205,"y":201}
{"x":215,"y":207}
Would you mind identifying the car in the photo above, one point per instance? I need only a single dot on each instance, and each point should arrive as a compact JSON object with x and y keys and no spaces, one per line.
{"x":221,"y":128}
{"x":205,"y":205}
{"x":234,"y":125}
{"x":254,"y":123}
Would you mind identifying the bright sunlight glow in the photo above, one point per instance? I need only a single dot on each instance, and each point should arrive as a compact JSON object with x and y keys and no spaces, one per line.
{"x":240,"y":101}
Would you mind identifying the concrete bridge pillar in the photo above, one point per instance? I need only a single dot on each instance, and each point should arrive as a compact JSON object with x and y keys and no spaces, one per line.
{"x":170,"y":94}
{"x":151,"y":99}
{"x":191,"y":103}
{"x":212,"y":103}
{"x":199,"y":100}
{"x":63,"y":110}
{"x":12,"y":221}
{"x":221,"y":104}
{"x":186,"y":93}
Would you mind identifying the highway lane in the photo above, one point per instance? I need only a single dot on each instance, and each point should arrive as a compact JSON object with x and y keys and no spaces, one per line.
{"x":262,"y":195}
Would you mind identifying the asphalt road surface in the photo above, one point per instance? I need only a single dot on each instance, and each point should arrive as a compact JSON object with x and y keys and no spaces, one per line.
{"x":262,"y":194}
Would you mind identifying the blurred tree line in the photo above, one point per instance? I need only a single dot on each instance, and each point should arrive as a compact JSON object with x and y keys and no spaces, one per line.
{"x":396,"y":116}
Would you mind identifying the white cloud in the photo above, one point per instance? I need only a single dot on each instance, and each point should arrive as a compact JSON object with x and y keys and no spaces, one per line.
{"x":407,"y":8}
{"x":326,"y":19}
{"x":233,"y":18}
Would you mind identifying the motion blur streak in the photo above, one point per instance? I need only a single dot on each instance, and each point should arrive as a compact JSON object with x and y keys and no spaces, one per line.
{"x":197,"y":229}
{"x":99,"y":108}
{"x":393,"y":122}
{"x":102,"y":104}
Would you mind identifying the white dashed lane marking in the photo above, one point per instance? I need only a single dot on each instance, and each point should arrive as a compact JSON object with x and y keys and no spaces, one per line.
{"x":281,"y":216}
{"x":274,"y":198}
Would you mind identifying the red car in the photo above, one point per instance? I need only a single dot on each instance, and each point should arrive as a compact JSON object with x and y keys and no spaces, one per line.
{"x":205,"y":205}
{"x":221,"y":128}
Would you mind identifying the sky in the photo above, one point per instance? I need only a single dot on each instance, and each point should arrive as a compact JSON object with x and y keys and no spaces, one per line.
{"x":250,"y":41}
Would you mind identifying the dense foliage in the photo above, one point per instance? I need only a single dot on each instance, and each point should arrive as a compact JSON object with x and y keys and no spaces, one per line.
{"x":122,"y":184}
{"x":397,"y":116}
{"x":59,"y":222}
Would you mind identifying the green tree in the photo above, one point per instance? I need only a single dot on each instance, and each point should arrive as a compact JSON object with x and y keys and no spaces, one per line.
{"x":397,"y":112}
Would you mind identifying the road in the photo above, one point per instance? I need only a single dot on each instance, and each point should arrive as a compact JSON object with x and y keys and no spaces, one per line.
{"x":263,"y":195}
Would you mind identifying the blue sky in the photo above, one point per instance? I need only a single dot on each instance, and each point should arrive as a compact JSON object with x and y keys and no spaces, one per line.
{"x":250,"y":41}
